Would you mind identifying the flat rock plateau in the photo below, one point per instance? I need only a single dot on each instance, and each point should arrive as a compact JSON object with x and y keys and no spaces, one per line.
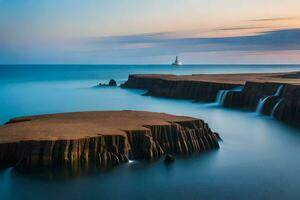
{"x":102,"y":138}
{"x":274,"y":94}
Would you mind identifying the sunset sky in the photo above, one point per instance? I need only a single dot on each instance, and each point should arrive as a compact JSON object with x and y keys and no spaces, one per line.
{"x":142,"y":32}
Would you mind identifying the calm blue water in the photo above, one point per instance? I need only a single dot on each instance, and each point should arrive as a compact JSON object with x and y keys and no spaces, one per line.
{"x":258,"y":159}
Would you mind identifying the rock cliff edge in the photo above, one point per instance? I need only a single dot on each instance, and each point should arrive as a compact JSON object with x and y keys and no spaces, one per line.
{"x":105,"y":138}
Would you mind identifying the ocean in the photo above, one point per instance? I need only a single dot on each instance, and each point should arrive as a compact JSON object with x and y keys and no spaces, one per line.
{"x":258,"y":158}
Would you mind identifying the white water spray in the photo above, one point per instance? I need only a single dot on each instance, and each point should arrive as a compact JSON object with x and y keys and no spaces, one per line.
{"x":131,"y":161}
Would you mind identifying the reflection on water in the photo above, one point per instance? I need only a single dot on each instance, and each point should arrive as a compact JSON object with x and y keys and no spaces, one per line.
{"x":258,"y":158}
{"x":5,"y":183}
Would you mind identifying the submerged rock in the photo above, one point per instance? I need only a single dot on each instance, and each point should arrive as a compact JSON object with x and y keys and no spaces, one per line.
{"x":106,"y":138}
{"x":169,"y":159}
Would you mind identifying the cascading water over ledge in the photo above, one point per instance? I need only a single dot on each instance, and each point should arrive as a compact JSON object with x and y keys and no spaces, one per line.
{"x":279,"y":97}
{"x":262,"y":101}
{"x":222,"y":94}
{"x":261,"y":104}
{"x":275,"y":108}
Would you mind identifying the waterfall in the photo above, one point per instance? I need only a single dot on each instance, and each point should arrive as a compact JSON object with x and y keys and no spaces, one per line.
{"x":262,"y":101}
{"x":279,"y":91}
{"x":261,"y":104}
{"x":221,"y":96}
{"x":276,"y":107}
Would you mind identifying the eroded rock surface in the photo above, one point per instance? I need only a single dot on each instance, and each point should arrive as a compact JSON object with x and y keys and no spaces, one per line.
{"x":100,"y":138}
{"x":275,"y":94}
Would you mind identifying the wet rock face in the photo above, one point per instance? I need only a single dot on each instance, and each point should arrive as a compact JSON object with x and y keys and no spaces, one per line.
{"x":282,"y":104}
{"x":75,"y":153}
{"x":288,"y":107}
{"x":177,"y":138}
{"x":281,"y":101}
{"x":195,"y":90}
{"x":185,"y":137}
{"x":250,"y":96}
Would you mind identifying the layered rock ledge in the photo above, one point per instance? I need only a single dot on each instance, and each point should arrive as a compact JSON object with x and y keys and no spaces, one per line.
{"x":275,"y":94}
{"x":105,"y":138}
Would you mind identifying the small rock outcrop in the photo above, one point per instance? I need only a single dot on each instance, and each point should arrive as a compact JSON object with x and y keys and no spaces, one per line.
{"x":169,"y":159}
{"x":111,"y":83}
{"x":102,"y":139}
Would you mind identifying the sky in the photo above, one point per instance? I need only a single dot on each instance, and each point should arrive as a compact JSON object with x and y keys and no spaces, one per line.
{"x":149,"y":31}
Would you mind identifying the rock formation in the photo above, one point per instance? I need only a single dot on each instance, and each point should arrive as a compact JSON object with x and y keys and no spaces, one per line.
{"x":169,"y":159}
{"x":180,"y":89}
{"x":274,"y":94}
{"x":100,"y":138}
{"x":111,"y":83}
{"x":281,"y":101}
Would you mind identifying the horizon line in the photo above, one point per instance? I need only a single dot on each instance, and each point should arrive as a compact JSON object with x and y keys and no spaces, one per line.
{"x":127,"y":64}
